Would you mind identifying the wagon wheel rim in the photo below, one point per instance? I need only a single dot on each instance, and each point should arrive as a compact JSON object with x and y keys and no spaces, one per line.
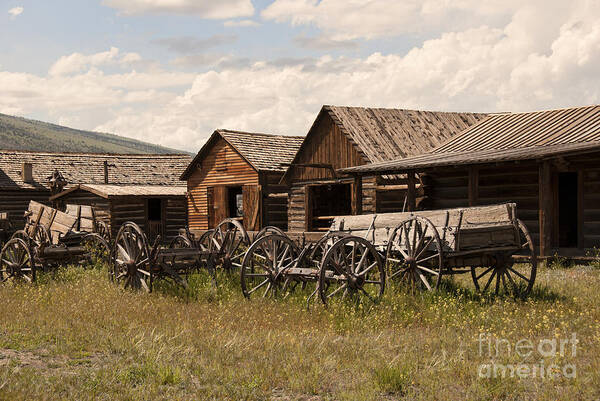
{"x":512,"y":274}
{"x":414,"y":255}
{"x":180,"y":242}
{"x":102,"y":229}
{"x":352,"y":267}
{"x":229,"y":242}
{"x":264,"y":266}
{"x":97,"y":248}
{"x":316,"y":255}
{"x":41,"y":236}
{"x":269,"y":230}
{"x":205,"y":240}
{"x":131,"y":258}
{"x":16,"y":262}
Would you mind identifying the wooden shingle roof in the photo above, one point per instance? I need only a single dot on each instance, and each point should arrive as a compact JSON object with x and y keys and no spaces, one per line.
{"x":265,"y":152}
{"x":110,"y":191}
{"x":387,"y":134}
{"x":88,"y":168}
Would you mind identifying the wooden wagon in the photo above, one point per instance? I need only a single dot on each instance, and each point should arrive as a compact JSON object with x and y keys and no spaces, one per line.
{"x":417,"y":248}
{"x":137,"y":264}
{"x":50,"y":238}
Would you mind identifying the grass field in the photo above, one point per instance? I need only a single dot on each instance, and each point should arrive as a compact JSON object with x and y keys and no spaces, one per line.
{"x":74,"y":335}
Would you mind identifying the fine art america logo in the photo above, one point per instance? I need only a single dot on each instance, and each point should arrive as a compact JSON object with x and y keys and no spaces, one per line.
{"x":531,"y":357}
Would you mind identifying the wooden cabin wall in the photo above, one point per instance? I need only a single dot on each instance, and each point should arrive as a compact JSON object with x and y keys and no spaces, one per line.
{"x":297,"y":208}
{"x":275,"y":200}
{"x":101,"y":205}
{"x":16,"y":202}
{"x":127,"y":208}
{"x":513,"y":183}
{"x":446,"y":189}
{"x":326,"y":144}
{"x":222,"y":166}
{"x":175,"y":216}
{"x":588,"y":167}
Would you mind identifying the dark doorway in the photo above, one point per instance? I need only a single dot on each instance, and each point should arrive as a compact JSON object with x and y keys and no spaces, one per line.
{"x":567,"y":210}
{"x":326,"y":202}
{"x":235,"y":203}
{"x":154,"y":215}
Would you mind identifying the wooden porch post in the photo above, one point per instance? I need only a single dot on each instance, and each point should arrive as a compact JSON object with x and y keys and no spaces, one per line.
{"x":357,"y":195}
{"x":545,"y":206}
{"x":411,"y":191}
{"x":473,"y":186}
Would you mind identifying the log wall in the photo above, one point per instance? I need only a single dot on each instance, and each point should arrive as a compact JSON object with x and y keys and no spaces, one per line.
{"x":15,"y":203}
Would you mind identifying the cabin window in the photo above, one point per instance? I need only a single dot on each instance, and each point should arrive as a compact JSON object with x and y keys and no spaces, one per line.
{"x":235,"y":202}
{"x":154,"y":209}
{"x":326,"y":202}
{"x":568,"y":222}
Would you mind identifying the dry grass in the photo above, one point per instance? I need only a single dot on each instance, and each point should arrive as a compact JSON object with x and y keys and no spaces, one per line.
{"x":74,"y":335}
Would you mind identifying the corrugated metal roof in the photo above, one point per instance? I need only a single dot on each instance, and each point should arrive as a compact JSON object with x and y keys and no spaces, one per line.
{"x":387,"y":134}
{"x":538,"y":128}
{"x":88,"y":168}
{"x":472,"y":157}
{"x":265,"y":152}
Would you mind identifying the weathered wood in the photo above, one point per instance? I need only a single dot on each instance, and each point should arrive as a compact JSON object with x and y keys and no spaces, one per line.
{"x":545,"y":208}
{"x":473,"y":186}
{"x":357,"y":192}
{"x":411,"y":191}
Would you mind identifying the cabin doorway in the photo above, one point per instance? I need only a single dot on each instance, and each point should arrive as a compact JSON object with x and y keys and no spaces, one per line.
{"x":325,"y":202}
{"x":568,"y":216}
{"x":154,"y":218}
{"x":240,"y":202}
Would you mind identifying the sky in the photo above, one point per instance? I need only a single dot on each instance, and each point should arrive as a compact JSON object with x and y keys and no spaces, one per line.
{"x":172,"y":71}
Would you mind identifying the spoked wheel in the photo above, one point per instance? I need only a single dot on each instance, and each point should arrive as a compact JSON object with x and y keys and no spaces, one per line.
{"x":21,"y":234}
{"x":16,"y":262}
{"x":315,"y":256}
{"x":131,"y":258}
{"x":103,"y":230}
{"x":204,"y":241}
{"x":351,"y":267}
{"x":268,"y":230}
{"x":265,"y":263}
{"x":98,"y":250}
{"x":513,"y":274}
{"x":414,"y":254}
{"x":229,"y":243}
{"x":181,"y":241}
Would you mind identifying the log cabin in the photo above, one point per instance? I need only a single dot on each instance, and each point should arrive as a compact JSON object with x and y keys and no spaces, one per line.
{"x":237,"y":175}
{"x":352,"y":136}
{"x":157,"y":209}
{"x":547,"y":162}
{"x":26,"y":175}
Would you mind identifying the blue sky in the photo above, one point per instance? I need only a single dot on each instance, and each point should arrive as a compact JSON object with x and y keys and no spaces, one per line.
{"x":171,"y":71}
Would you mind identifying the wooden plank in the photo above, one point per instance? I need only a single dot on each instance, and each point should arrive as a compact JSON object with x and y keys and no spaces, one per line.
{"x":357,"y":192}
{"x":219,"y":207}
{"x":252,"y":200}
{"x":545,"y":208}
{"x":580,"y":209}
{"x":411,"y":193}
{"x":473,"y":186}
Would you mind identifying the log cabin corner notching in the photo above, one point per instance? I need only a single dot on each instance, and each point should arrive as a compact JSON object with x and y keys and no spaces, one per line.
{"x":237,"y":174}
{"x":547,"y":162}
{"x":352,"y":136}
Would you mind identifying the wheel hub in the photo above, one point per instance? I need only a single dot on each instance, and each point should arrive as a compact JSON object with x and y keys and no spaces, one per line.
{"x":131,"y":267}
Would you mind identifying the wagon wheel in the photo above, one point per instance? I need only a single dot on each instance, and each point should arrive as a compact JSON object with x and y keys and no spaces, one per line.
{"x":181,"y":241}
{"x":131,"y":258}
{"x":98,"y":250}
{"x":351,"y":267}
{"x":414,"y":254}
{"x":203,"y":242}
{"x":513,"y":273}
{"x":228,"y":243}
{"x":320,"y":248}
{"x":268,"y":230}
{"x":16,"y":262}
{"x":265,"y":263}
{"x":102,"y":230}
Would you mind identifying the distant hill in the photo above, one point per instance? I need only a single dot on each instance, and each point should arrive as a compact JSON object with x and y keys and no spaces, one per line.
{"x":17,"y":133}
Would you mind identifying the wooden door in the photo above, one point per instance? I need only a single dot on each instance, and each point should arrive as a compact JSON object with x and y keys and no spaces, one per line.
{"x":252,"y":204}
{"x":218,"y":212}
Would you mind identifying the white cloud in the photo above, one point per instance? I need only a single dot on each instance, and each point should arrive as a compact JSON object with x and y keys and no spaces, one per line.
{"x":15,"y":12}
{"x":539,"y":58}
{"x":240,"y":23}
{"x":78,"y":62}
{"x":220,"y":9}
